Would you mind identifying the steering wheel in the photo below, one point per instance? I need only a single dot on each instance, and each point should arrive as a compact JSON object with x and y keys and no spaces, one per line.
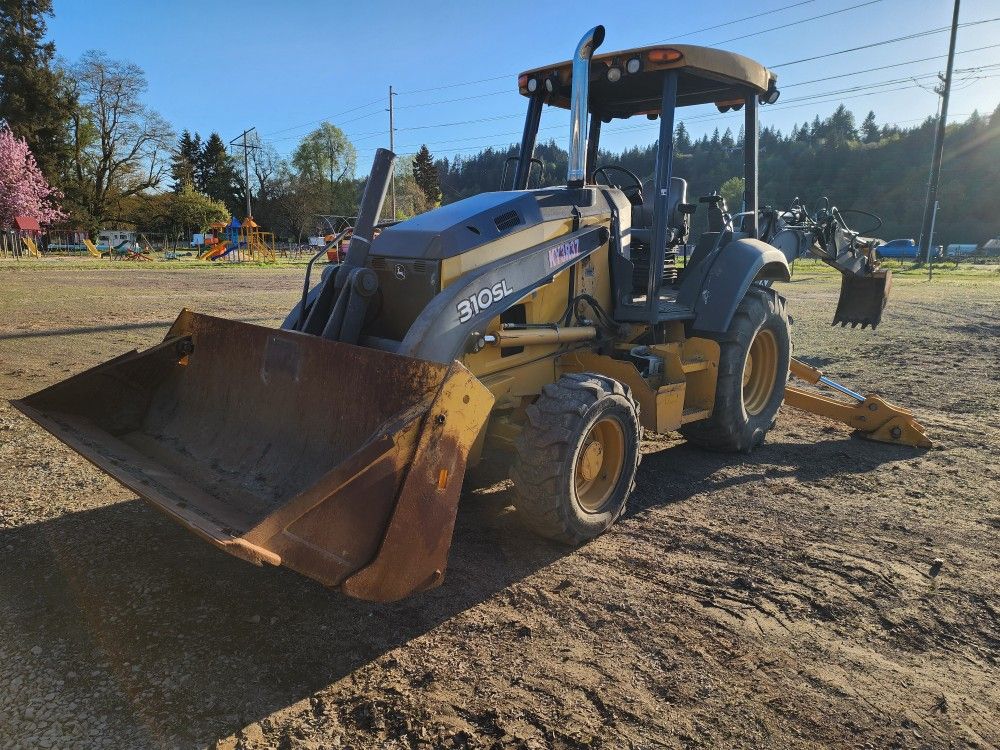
{"x":633,"y":190}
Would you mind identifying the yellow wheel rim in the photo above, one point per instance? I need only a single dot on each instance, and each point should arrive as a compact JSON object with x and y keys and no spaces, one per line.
{"x":599,"y":465}
{"x":760,"y":370}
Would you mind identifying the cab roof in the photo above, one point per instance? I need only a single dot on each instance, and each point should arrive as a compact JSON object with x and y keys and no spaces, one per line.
{"x":707,"y":76}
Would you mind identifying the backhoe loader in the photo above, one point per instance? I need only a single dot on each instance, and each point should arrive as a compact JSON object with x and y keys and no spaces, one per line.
{"x":550,"y":326}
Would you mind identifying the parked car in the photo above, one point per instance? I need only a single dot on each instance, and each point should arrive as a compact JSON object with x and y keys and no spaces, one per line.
{"x":906,"y":249}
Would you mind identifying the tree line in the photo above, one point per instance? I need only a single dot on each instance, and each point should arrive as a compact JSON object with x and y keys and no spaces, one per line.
{"x":105,"y":158}
{"x":882,"y":169}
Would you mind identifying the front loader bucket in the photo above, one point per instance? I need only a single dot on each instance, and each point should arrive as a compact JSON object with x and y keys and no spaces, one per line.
{"x":862,"y":299}
{"x":340,"y":462}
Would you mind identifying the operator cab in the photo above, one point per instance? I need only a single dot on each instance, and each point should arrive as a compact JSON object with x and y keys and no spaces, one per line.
{"x":650,"y":82}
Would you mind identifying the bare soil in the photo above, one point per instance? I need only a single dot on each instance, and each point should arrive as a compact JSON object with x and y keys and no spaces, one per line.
{"x":783,"y":599}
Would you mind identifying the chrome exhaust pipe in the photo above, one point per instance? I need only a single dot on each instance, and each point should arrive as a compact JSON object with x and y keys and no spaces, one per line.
{"x":579,"y":99}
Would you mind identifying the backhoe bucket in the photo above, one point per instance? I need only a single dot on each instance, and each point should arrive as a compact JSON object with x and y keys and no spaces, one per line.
{"x":862,"y":299}
{"x":340,"y":462}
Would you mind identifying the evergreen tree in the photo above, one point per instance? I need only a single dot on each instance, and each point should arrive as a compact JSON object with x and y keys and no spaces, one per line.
{"x":870,"y":132}
{"x":817,"y":131}
{"x":425,"y":174}
{"x":185,"y":167}
{"x":682,"y":141}
{"x":218,"y":173}
{"x":840,"y":126}
{"x":34,"y":98}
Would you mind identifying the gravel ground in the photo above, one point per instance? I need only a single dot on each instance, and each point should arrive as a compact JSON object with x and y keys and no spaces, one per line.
{"x":783,"y":599}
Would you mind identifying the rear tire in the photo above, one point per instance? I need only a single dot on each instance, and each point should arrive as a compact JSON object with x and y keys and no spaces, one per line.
{"x":577,"y":457}
{"x":753,"y":368}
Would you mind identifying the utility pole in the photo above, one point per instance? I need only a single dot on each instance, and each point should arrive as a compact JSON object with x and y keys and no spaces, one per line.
{"x":392,"y":147}
{"x":926,"y":231}
{"x":930,"y":263}
{"x":247,"y":148}
{"x":938,"y":90}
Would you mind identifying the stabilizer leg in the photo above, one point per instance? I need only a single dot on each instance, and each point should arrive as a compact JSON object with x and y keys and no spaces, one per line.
{"x":872,"y":417}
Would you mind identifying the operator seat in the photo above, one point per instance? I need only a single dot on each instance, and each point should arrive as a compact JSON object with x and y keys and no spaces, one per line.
{"x":642,"y":215}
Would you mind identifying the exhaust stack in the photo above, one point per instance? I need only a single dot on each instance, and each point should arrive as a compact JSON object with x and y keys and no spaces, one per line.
{"x":579,"y":99}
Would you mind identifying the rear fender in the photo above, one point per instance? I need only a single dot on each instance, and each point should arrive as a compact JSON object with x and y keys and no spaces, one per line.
{"x":738,"y":264}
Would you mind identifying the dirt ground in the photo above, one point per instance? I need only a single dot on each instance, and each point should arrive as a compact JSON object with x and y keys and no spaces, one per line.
{"x":782,"y":599}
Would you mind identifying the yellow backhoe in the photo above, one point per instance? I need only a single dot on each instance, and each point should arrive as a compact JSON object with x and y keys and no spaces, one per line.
{"x":548,"y":326}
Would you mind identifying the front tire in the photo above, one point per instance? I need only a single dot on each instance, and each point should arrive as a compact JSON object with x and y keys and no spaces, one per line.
{"x":754,"y":355}
{"x":577,"y":457}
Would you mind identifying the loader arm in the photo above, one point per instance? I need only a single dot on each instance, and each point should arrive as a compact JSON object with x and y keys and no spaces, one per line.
{"x":871,"y":417}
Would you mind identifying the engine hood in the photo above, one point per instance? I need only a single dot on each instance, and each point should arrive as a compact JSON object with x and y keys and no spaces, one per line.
{"x":459,"y":227}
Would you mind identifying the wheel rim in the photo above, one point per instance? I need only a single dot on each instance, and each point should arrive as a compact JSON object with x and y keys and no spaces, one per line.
{"x":760,"y":372}
{"x":599,"y":465}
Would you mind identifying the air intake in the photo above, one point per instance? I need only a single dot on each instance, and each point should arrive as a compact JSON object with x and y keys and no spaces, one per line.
{"x":507,"y":220}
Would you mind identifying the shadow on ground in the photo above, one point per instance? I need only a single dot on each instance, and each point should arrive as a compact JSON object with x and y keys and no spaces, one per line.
{"x":196,"y":645}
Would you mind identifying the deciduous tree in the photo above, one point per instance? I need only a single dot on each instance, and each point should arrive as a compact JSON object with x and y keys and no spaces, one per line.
{"x":120,"y":146}
{"x":326,"y":154}
{"x":24,"y":191}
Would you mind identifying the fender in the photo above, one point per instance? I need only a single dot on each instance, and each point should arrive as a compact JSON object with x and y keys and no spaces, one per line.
{"x":728,"y":276}
{"x":443,"y":330}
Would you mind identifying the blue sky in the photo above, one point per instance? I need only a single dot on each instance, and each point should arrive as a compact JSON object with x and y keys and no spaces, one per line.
{"x":282,"y":67}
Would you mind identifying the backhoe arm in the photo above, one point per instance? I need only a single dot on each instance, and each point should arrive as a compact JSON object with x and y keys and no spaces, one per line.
{"x":872,"y":417}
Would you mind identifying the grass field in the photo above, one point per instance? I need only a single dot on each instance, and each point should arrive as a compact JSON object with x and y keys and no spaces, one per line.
{"x":781,"y":599}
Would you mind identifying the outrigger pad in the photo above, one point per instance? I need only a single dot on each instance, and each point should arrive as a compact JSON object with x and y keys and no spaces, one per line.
{"x":862,"y":299}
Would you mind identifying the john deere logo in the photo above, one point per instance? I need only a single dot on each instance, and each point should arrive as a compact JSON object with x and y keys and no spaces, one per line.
{"x":399,"y":271}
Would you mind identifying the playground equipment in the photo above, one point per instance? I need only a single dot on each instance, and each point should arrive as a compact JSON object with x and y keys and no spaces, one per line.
{"x":217,"y":250}
{"x":125,"y":250}
{"x":31,"y":247}
{"x":92,"y":248}
{"x":239,"y":242}
{"x":259,"y":245}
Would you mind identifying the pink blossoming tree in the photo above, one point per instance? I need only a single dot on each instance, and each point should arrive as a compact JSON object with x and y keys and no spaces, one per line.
{"x":24,"y":191}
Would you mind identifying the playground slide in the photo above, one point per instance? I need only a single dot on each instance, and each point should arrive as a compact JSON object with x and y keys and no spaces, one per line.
{"x":92,"y":249}
{"x":217,"y":251}
{"x":32,"y":247}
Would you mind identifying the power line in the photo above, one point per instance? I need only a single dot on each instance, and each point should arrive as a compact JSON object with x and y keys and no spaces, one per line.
{"x":459,"y":99}
{"x":505,"y":76}
{"x":885,"y":67}
{"x":321,"y":119}
{"x":812,"y":99}
{"x":809,"y":98}
{"x":342,"y":122}
{"x":905,"y":38}
{"x":682,"y":36}
{"x":785,"y":64}
{"x":738,"y":20}
{"x":794,"y":62}
{"x":797,"y":23}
